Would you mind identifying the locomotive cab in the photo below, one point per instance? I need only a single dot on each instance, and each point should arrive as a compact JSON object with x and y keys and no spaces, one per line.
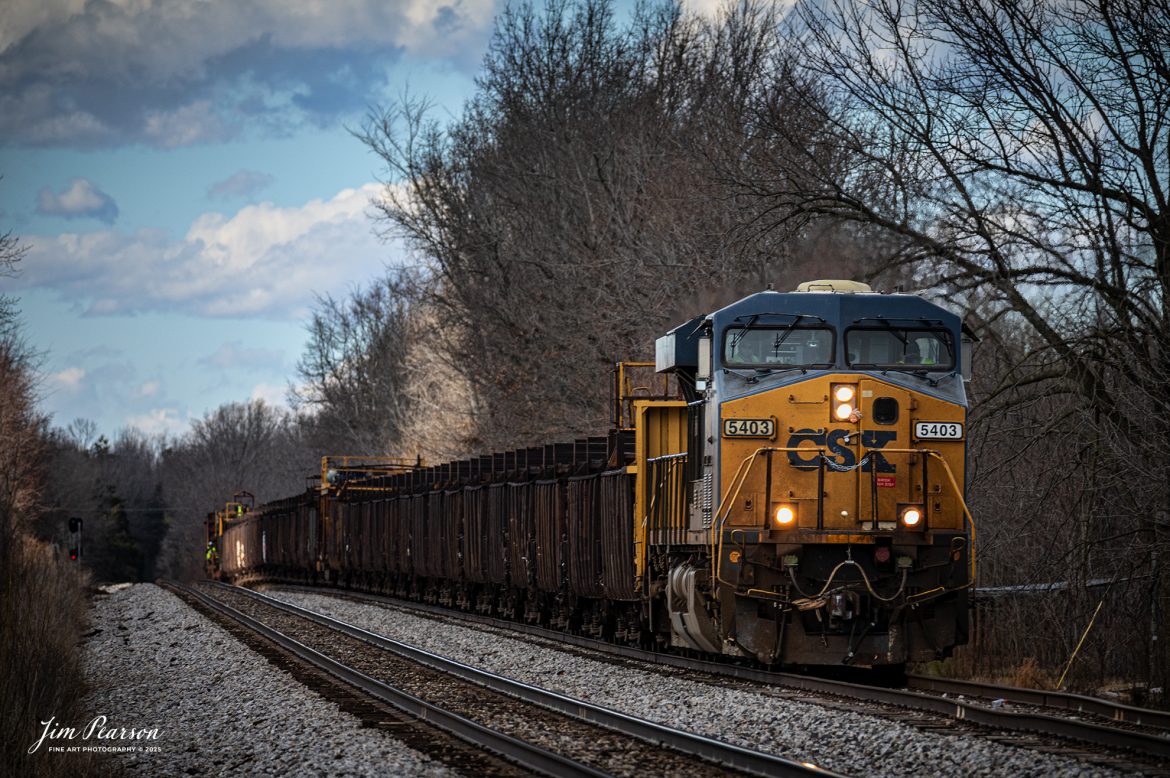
{"x":826,"y":519}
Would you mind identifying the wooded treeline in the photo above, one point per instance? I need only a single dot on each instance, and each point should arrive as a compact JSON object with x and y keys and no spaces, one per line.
{"x":611,"y":179}
{"x":614,"y":176}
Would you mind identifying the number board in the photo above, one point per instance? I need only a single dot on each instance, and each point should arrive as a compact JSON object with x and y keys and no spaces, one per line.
{"x":938,"y":430}
{"x":749,"y":428}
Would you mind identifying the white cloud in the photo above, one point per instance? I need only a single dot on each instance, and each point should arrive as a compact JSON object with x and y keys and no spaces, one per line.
{"x":69,"y":379}
{"x":148,"y":389}
{"x":196,"y":122}
{"x":444,"y":29}
{"x":240,"y":184}
{"x":708,"y":8}
{"x":18,"y":19}
{"x":270,"y":393}
{"x":716,"y":9}
{"x":36,"y":111}
{"x":159,"y":421}
{"x":172,"y":38}
{"x":264,"y":261}
{"x":83,"y":199}
{"x":177,"y":72}
{"x":234,"y":355}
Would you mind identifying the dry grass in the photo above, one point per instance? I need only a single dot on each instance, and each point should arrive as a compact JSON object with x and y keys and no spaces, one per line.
{"x":1029,"y":675}
{"x":43,"y":615}
{"x":1026,"y":675}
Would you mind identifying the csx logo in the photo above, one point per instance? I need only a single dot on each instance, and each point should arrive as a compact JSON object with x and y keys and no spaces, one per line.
{"x":834,"y":442}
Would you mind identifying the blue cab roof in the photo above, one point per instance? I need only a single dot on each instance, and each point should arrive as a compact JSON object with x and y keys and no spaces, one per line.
{"x":839,"y":310}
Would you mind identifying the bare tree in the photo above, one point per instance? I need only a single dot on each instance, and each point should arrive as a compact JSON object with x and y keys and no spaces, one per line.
{"x":21,"y":425}
{"x":12,"y":251}
{"x":565,"y":219}
{"x":81,"y":432}
{"x":239,"y":446}
{"x":1015,"y":155}
{"x":22,"y":430}
{"x":353,"y":375}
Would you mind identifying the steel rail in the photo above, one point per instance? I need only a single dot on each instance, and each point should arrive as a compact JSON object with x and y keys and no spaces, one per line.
{"x":718,"y":751}
{"x":1079,"y":703}
{"x":1086,"y":732}
{"x":525,"y":754}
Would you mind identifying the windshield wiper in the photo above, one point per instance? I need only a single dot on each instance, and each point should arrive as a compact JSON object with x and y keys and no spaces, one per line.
{"x":897,"y":333}
{"x":750,"y":378}
{"x":752,"y":317}
{"x":783,"y":335}
{"x":917,"y":372}
{"x":735,"y":339}
{"x":760,"y":372}
{"x":780,"y":338}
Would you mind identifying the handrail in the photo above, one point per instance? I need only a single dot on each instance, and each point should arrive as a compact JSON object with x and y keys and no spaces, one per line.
{"x":958,"y":493}
{"x":745,"y":466}
{"x":670,"y":470}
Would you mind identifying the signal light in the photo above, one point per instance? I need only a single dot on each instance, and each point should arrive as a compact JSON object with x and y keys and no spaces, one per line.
{"x":74,"y":524}
{"x":73,"y":554}
{"x":912,"y":515}
{"x":785,"y":515}
{"x":845,"y":403}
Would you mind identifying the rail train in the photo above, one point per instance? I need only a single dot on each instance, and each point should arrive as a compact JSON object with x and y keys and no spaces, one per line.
{"x":788,"y":486}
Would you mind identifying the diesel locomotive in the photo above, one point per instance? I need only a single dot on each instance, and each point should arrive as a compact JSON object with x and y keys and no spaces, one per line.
{"x":789,"y":488}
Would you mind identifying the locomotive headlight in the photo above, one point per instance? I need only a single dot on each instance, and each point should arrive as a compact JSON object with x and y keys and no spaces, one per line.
{"x":912,"y":515}
{"x":844,"y":402}
{"x":784,"y":515}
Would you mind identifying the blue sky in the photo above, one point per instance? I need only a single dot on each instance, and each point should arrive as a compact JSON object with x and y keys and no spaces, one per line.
{"x":183,"y":176}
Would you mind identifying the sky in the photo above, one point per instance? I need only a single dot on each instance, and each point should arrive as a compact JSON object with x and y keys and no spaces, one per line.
{"x":184,"y":177}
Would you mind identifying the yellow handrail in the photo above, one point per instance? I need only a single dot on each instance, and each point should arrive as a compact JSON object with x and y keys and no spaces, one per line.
{"x":374,"y":465}
{"x":745,"y":467}
{"x":958,"y":493}
{"x":740,"y":475}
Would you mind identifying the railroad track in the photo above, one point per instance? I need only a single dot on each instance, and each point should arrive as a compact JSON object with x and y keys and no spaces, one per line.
{"x":1117,"y":731}
{"x":1106,"y":710}
{"x":529,"y":727}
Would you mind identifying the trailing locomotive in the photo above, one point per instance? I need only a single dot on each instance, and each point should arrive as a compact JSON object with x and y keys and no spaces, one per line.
{"x":797,"y":497}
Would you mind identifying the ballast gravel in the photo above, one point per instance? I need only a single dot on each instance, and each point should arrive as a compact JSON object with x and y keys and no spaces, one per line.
{"x":218,"y":707}
{"x":843,"y":741}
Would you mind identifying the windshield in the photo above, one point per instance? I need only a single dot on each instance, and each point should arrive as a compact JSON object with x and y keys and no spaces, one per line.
{"x":900,"y":347}
{"x":777,"y":347}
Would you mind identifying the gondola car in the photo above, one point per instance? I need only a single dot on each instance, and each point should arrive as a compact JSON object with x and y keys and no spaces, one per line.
{"x":790,"y":490}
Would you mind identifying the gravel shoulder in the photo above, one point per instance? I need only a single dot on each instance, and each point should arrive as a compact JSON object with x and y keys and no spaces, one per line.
{"x":847,"y":742}
{"x":219,"y":708}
